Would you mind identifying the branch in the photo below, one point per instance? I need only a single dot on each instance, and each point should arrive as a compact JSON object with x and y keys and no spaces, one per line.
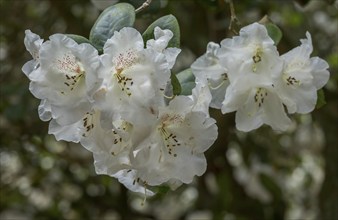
{"x":143,"y":6}
{"x":233,"y":17}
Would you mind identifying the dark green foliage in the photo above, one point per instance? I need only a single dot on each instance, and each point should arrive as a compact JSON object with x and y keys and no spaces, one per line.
{"x":175,"y":84}
{"x":111,"y":19}
{"x":187,"y":81}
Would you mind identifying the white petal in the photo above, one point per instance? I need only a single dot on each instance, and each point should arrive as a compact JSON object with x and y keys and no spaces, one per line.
{"x":319,"y":71}
{"x":174,"y":140}
{"x":33,"y":43}
{"x":218,"y":89}
{"x":274,"y":114}
{"x":171,"y":55}
{"x":66,"y":115}
{"x":128,"y":178}
{"x":238,"y":91}
{"x":249,"y":115}
{"x":157,"y":166}
{"x":45,"y":110}
{"x":253,"y":51}
{"x":162,"y":38}
{"x":127,"y":40}
{"x":107,"y":164}
{"x":208,"y":66}
{"x":70,"y":133}
{"x":202,"y":97}
{"x":159,"y":44}
{"x":298,"y":98}
{"x":29,"y":66}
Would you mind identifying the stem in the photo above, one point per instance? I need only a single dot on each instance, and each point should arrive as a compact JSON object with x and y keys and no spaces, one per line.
{"x":233,"y":17}
{"x":143,"y":6}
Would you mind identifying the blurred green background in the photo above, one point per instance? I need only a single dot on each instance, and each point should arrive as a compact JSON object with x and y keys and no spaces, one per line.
{"x":256,"y":175}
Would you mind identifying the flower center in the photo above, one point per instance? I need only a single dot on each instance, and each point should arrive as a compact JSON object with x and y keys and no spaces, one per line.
{"x":290,"y":80}
{"x":72,"y":69}
{"x":122,"y":62}
{"x":257,"y":57}
{"x":124,"y":82}
{"x":170,"y":140}
{"x":125,"y":60}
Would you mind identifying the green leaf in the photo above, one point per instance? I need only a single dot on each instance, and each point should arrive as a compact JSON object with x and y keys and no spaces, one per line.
{"x":165,"y":22}
{"x":320,"y":99}
{"x":112,"y":19}
{"x":274,"y":32}
{"x":187,"y":81}
{"x":176,"y":84}
{"x":78,"y":39}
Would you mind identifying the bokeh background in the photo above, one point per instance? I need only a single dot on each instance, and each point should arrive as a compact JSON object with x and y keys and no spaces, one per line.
{"x":257,"y":175}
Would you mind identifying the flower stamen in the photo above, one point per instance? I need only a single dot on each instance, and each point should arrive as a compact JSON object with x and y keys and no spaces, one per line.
{"x":225,"y":78}
{"x":169,"y":140}
{"x":124,"y":82}
{"x":257,"y":57}
{"x":290,"y":80}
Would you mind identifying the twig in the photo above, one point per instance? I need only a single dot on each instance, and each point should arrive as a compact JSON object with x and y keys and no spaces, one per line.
{"x":143,"y":6}
{"x":233,"y":17}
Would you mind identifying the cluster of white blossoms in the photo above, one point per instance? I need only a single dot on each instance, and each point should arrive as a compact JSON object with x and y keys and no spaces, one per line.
{"x":114,"y":105}
{"x":246,"y":74}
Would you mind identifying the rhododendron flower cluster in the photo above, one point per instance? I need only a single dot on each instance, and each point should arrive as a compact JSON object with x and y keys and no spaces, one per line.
{"x":246,"y":74}
{"x":114,"y":105}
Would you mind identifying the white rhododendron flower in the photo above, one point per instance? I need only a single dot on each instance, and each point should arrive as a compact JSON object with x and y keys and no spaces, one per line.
{"x":66,"y":78}
{"x":33,"y":44}
{"x":255,"y":103}
{"x":110,"y":148}
{"x":175,"y":139}
{"x":207,"y":69}
{"x":301,"y":77}
{"x":134,"y":77}
{"x":251,"y":58}
{"x":251,"y":53}
{"x":45,"y":110}
{"x":260,"y":81}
